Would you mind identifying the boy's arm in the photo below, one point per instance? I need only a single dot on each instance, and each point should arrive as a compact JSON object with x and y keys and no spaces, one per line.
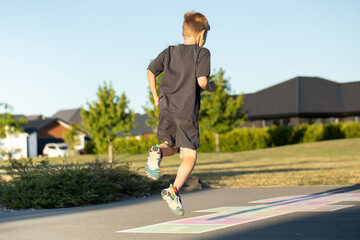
{"x":206,"y":85}
{"x":152,"y":84}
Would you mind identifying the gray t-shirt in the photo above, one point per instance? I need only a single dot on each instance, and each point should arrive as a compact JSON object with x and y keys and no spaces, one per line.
{"x":179,"y":90}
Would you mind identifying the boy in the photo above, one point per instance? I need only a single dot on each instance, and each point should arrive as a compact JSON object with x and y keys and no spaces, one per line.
{"x":186,"y":69}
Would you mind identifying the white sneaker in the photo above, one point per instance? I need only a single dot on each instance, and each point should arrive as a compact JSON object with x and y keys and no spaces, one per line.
{"x":152,"y":167}
{"x":173,"y":200}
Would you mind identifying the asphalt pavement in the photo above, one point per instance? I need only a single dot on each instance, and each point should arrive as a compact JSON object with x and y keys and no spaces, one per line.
{"x":323,"y":212}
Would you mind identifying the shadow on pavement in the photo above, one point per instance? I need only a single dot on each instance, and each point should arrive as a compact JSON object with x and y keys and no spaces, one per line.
{"x":344,"y":224}
{"x":219,"y":172}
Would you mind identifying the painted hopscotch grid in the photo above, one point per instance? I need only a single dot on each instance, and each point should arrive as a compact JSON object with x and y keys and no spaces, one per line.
{"x":223,"y":217}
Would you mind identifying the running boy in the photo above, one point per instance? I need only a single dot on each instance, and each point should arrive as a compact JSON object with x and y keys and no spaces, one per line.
{"x":186,"y":69}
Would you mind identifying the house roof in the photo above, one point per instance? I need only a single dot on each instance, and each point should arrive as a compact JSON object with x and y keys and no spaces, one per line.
{"x":304,"y":96}
{"x":35,"y":117}
{"x":73,"y":115}
{"x":17,"y":117}
{"x":70,"y":115}
{"x":141,"y":126}
{"x":41,"y":123}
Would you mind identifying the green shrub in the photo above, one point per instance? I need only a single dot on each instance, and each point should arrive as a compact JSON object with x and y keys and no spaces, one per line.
{"x":279,"y":135}
{"x":207,"y":142}
{"x":47,"y":186}
{"x":90,"y":147}
{"x":133,"y":144}
{"x":332,"y":131}
{"x":148,"y":142}
{"x":298,"y":133}
{"x":351,"y":130}
{"x":313,"y":133}
{"x":320,"y":132}
{"x":242,"y":139}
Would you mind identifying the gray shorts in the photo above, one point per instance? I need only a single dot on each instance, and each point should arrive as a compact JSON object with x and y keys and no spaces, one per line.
{"x":178,"y":132}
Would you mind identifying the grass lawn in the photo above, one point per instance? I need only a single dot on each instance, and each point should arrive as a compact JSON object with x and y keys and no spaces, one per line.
{"x":335,"y":162}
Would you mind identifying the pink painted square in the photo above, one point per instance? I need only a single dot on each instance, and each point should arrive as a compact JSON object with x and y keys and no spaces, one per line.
{"x":311,"y":203}
{"x":346,"y":195}
{"x":214,"y":220}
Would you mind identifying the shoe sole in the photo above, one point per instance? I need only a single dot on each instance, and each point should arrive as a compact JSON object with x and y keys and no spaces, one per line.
{"x":166,"y":195}
{"x":149,"y":175}
{"x":154,"y":149}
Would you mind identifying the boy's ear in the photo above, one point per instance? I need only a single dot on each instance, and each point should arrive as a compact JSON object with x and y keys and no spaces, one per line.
{"x":203,"y":34}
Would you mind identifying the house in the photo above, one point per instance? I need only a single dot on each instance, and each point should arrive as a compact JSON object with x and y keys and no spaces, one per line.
{"x":141,"y":128}
{"x":50,"y":130}
{"x":37,"y":132}
{"x":15,"y":144}
{"x":19,"y":145}
{"x":303,"y":100}
{"x":70,"y":115}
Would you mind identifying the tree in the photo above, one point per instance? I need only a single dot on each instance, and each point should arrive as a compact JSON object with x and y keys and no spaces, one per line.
{"x":220,"y":112}
{"x":71,"y":136}
{"x":8,"y":124}
{"x":107,"y":118}
{"x":150,"y":109}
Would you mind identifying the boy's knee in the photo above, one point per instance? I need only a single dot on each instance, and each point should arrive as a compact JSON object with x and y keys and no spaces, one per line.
{"x":190,"y":152}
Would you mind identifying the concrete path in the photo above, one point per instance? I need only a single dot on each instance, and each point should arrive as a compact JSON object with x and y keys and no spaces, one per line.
{"x":326,"y":212}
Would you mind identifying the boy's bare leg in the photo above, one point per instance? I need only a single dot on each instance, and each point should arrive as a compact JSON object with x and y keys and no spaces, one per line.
{"x":186,"y":166}
{"x":168,"y":150}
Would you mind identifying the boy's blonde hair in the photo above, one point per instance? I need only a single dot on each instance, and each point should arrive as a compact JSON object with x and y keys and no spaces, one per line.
{"x":194,"y":23}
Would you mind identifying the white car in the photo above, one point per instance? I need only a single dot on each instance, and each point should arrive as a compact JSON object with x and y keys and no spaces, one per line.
{"x":56,"y":150}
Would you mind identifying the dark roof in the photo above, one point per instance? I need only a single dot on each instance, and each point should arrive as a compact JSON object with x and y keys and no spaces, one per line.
{"x":40,"y":123}
{"x":17,"y":117}
{"x":30,"y":130}
{"x":71,"y":115}
{"x":35,"y":117}
{"x":304,"y":96}
{"x":141,"y":126}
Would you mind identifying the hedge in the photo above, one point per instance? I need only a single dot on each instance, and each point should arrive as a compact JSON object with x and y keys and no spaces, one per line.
{"x":241,"y":139}
{"x":49,"y":186}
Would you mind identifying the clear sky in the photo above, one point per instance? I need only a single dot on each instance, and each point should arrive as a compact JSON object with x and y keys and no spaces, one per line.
{"x":55,"y":54}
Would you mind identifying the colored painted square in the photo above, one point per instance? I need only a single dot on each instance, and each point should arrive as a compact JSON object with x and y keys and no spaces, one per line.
{"x":304,"y":203}
{"x":277,"y":199}
{"x":343,"y":199}
{"x":213,"y":220}
{"x":263,"y":214}
{"x":347,"y":195}
{"x":223,"y":217}
{"x":228,"y":209}
{"x":316,"y":208}
{"x":167,"y":228}
{"x":253,"y":213}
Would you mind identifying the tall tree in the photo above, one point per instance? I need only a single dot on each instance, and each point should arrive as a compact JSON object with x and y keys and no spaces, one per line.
{"x":150,"y":109}
{"x":220,"y":112}
{"x":106,"y":118}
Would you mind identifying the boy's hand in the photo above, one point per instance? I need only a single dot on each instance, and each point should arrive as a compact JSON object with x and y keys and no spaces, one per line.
{"x":156,"y":101}
{"x":212,"y":86}
{"x":206,"y":85}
